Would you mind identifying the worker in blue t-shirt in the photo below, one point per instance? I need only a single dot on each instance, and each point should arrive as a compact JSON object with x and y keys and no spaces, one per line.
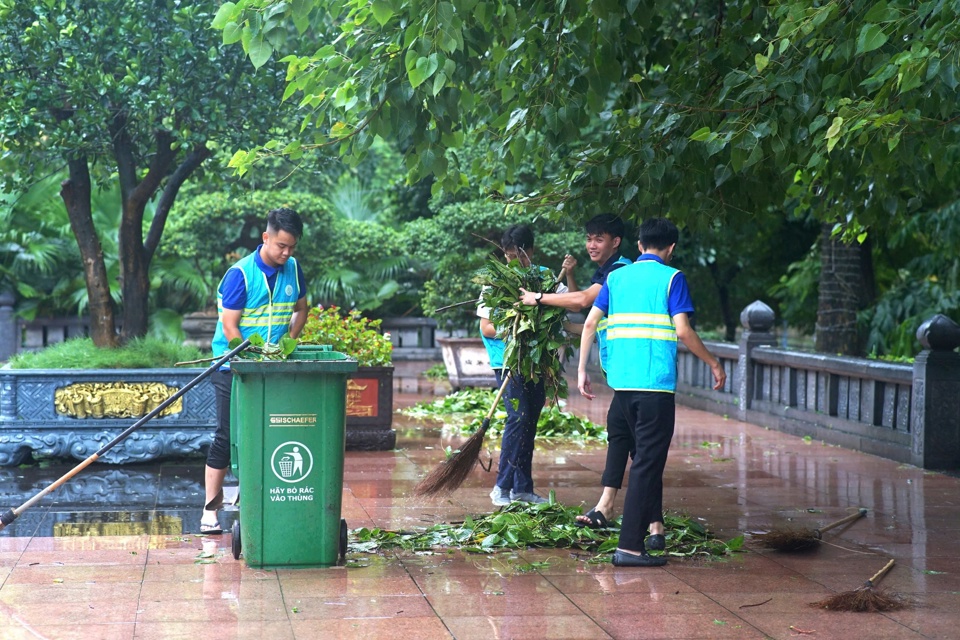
{"x":648,"y":308}
{"x":265,"y":294}
{"x":523,"y":400}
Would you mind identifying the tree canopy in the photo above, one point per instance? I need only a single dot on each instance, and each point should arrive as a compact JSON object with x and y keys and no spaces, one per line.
{"x":139,"y":93}
{"x":701,"y":110}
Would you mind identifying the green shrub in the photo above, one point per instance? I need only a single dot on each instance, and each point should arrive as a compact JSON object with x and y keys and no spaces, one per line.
{"x":214,"y":230}
{"x":81,"y":353}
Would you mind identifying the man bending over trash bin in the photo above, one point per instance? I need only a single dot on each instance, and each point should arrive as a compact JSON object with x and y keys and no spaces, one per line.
{"x":263,"y":293}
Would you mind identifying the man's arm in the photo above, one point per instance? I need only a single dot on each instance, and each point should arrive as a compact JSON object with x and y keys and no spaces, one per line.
{"x":299,"y":318}
{"x":231,"y":323}
{"x":569,"y":264}
{"x":688,"y":335}
{"x":487,"y":328}
{"x":571,"y":301}
{"x":586,"y":343}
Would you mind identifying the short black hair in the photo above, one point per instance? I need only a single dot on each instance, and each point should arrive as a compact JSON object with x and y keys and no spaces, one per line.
{"x":658,"y":233}
{"x":605,"y":223}
{"x":518,"y":236}
{"x":284,"y":219}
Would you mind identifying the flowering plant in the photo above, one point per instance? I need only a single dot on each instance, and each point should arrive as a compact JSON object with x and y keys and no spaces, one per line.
{"x":352,"y":334}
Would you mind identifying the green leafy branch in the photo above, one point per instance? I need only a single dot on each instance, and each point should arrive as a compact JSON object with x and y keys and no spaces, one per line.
{"x":533,"y":335}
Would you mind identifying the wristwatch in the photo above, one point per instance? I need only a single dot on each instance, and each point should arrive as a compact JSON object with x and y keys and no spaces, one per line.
{"x":539,"y":296}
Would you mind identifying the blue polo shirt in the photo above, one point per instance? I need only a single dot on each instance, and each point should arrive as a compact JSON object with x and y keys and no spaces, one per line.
{"x":678,"y":302}
{"x":235,"y":290}
{"x":613,"y":263}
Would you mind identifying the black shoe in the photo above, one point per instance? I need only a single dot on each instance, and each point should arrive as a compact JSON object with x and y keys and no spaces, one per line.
{"x":624,"y":559}
{"x":656,"y":542}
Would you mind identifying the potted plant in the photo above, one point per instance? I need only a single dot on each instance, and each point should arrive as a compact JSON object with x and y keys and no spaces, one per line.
{"x":370,"y":389}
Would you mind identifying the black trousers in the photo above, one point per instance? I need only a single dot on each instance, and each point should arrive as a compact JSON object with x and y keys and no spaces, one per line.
{"x":620,"y":447}
{"x":218,"y":456}
{"x":652,"y":415}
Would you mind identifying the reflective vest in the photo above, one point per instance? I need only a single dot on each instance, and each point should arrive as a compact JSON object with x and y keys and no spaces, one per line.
{"x":602,"y":325}
{"x":641,"y":337}
{"x":266,"y":313}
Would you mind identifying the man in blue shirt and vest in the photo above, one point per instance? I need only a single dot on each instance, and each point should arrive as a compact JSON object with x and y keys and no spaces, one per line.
{"x":263,"y":293}
{"x":648,"y":307}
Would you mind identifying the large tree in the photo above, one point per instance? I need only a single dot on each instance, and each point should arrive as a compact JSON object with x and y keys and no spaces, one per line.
{"x":139,"y":93}
{"x":707,"y":111}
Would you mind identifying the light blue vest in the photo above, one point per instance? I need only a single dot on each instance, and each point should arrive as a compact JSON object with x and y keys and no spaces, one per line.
{"x":641,"y":337}
{"x":495,"y":348}
{"x":265,"y":313}
{"x":602,"y":326}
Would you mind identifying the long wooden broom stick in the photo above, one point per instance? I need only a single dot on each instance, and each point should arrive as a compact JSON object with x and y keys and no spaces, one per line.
{"x":9,"y":516}
{"x":799,"y":539}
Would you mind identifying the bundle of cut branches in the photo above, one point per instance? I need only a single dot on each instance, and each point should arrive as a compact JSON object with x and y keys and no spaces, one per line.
{"x":533,"y":335}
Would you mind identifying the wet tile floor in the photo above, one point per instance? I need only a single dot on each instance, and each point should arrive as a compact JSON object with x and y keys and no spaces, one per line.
{"x":141,"y":576}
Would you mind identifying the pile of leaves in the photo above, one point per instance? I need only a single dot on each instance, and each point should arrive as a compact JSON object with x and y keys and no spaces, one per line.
{"x":533,"y":335}
{"x":548,"y":525}
{"x":464,"y":410}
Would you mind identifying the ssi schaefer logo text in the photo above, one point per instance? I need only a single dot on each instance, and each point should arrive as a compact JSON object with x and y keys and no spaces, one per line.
{"x":293,"y":419}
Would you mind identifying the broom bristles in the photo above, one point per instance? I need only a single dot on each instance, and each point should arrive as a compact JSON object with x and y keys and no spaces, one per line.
{"x":789,"y":539}
{"x":865,"y":599}
{"x":448,"y":477}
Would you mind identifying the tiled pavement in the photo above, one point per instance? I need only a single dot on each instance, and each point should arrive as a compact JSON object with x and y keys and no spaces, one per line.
{"x":737,"y":477}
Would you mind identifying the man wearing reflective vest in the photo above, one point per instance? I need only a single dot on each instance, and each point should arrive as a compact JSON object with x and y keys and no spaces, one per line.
{"x":648,"y":308}
{"x":263,"y":293}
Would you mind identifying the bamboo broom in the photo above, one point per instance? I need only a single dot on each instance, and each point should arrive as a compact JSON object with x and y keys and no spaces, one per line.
{"x":797,"y":539}
{"x":867,"y":598}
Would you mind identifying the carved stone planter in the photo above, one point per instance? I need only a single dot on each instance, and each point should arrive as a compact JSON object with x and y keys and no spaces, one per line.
{"x":467,"y":362}
{"x":370,"y":410}
{"x":73,"y":413}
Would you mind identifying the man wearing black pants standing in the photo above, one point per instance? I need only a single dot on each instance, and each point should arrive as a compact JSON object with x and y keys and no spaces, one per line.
{"x":648,"y":308}
{"x":264,"y":294}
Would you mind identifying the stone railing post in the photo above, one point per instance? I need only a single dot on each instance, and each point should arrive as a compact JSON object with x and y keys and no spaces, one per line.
{"x":757,"y":320}
{"x":935,"y":415}
{"x":9,"y":336}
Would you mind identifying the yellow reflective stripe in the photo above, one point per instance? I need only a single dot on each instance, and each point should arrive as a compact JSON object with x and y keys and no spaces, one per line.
{"x":656,"y":319}
{"x":614,"y":333}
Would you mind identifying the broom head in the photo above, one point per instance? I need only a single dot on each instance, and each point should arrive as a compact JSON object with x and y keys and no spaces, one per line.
{"x":789,"y":539}
{"x":868,"y":599}
{"x":448,"y":477}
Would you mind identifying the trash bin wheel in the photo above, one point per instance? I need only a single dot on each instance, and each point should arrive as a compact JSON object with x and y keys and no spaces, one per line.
{"x":235,"y":545}
{"x":343,"y":540}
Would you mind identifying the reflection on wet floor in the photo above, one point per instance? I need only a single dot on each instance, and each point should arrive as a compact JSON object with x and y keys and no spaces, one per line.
{"x":163,"y":498}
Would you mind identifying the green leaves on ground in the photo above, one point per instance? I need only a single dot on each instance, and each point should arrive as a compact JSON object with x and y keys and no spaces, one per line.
{"x":464,"y":411}
{"x":549,"y":525}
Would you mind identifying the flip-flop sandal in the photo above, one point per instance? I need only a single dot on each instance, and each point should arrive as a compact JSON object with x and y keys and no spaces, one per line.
{"x":210,"y":529}
{"x":597,"y":520}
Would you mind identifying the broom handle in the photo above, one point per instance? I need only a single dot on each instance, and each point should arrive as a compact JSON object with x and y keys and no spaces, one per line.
{"x":850,"y":518}
{"x":496,"y":400}
{"x":879,"y":574}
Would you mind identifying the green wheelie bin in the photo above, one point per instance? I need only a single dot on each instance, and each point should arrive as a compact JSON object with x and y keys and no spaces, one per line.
{"x":287,"y":428}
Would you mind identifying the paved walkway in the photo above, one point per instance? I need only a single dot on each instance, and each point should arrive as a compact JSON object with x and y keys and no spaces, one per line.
{"x":736,"y":477}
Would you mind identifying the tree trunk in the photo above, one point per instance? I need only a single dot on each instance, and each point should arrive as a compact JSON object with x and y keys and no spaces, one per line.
{"x":844,"y":290}
{"x":722,"y":283}
{"x":75,"y":192}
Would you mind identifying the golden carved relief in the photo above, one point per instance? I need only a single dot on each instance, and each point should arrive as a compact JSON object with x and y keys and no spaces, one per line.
{"x":161,"y":525}
{"x":114,"y":399}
